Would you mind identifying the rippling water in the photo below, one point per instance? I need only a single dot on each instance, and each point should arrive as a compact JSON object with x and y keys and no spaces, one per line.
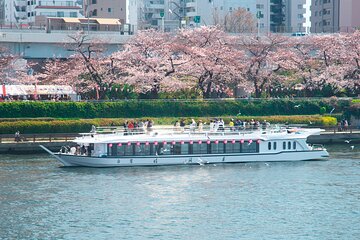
{"x":302,"y":200}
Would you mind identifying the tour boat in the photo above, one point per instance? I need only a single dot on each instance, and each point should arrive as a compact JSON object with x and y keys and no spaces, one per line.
{"x":157,"y":147}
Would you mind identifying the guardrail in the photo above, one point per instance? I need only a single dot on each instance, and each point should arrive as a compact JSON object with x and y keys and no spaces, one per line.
{"x":40,"y":137}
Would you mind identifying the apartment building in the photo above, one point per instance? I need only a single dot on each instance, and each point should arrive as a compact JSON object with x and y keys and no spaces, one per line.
{"x":281,"y":15}
{"x":325,"y":16}
{"x":263,"y":15}
{"x":335,"y":15}
{"x":27,"y":11}
{"x":105,"y":9}
{"x":349,"y":15}
{"x":295,"y":16}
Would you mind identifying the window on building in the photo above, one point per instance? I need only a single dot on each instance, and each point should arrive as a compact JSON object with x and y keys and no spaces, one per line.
{"x":269,"y":145}
{"x":109,"y":10}
{"x":289,"y":145}
{"x":294,"y":145}
{"x":275,"y":145}
{"x":93,"y":1}
{"x":60,"y":14}
{"x":73,"y":14}
{"x":300,"y":6}
{"x":94,"y":13}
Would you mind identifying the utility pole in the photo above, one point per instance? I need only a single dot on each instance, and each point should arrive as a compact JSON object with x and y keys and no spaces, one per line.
{"x":88,"y":16}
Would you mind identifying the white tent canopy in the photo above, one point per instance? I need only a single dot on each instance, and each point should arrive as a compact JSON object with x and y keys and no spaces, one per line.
{"x":22,"y":90}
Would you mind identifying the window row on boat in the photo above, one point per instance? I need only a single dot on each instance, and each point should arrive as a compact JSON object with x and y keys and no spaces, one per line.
{"x":182,"y":148}
{"x":285,"y":145}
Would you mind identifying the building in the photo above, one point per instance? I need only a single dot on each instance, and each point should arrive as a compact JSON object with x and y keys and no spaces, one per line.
{"x":349,"y":15}
{"x":263,"y":15}
{"x":281,"y":15}
{"x":20,"y":12}
{"x":295,"y":16}
{"x":335,"y":15}
{"x":325,"y":16}
{"x":106,"y":9}
{"x":2,"y":12}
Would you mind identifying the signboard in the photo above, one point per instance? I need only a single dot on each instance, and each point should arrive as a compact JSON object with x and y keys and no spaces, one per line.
{"x":197,"y":19}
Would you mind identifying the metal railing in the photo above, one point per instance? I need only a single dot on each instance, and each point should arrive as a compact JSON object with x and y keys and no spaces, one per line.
{"x":40,"y":137}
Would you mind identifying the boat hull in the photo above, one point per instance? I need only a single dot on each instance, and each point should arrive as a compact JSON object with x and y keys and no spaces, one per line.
{"x":109,"y":161}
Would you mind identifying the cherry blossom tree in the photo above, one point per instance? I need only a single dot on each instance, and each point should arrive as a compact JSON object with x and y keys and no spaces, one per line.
{"x":151,"y":60}
{"x":87,"y":70}
{"x":210,"y":58}
{"x":263,"y":58}
{"x":237,"y":21}
{"x":6,"y":61}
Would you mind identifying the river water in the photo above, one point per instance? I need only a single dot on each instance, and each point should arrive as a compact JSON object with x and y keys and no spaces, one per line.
{"x":302,"y":200}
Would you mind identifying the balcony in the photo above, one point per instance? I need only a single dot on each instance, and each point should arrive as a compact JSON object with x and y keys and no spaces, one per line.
{"x":155,"y":6}
{"x":57,"y":4}
{"x":191,"y":4}
{"x":20,"y":3}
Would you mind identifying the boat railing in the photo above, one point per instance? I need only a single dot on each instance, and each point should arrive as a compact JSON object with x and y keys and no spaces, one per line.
{"x":206,"y":130}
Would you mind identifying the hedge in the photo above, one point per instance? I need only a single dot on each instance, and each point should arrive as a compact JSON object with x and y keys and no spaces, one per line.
{"x":84,"y":125}
{"x":160,"y":108}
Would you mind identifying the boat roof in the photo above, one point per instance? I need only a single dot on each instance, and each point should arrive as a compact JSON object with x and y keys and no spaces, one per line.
{"x":169,"y":136}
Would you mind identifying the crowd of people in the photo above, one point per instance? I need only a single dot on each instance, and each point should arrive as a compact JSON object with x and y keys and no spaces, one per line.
{"x":140,"y":126}
{"x":219,"y":125}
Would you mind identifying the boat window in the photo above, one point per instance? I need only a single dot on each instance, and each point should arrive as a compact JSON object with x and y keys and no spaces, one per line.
{"x":142,"y":149}
{"x":250,"y":147}
{"x":129,"y":150}
{"x":120,"y":150}
{"x":294,"y":145}
{"x":176,"y":150}
{"x":275,"y":145}
{"x":112,"y":150}
{"x":200,"y":148}
{"x":217,"y":148}
{"x":232,"y":147}
{"x":289,"y":145}
{"x":284,"y":145}
{"x":269,"y":145}
{"x":164,"y":149}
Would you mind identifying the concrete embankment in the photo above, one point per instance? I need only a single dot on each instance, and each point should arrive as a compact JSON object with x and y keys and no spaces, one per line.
{"x":33,"y":147}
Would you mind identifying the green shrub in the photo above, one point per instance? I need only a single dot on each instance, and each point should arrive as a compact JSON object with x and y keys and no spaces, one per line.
{"x":161,"y":108}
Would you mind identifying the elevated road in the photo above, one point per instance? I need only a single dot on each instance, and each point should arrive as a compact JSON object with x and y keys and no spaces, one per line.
{"x":39,"y":44}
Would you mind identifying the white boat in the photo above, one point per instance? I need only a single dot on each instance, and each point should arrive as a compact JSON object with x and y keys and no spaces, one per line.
{"x":155,"y":148}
